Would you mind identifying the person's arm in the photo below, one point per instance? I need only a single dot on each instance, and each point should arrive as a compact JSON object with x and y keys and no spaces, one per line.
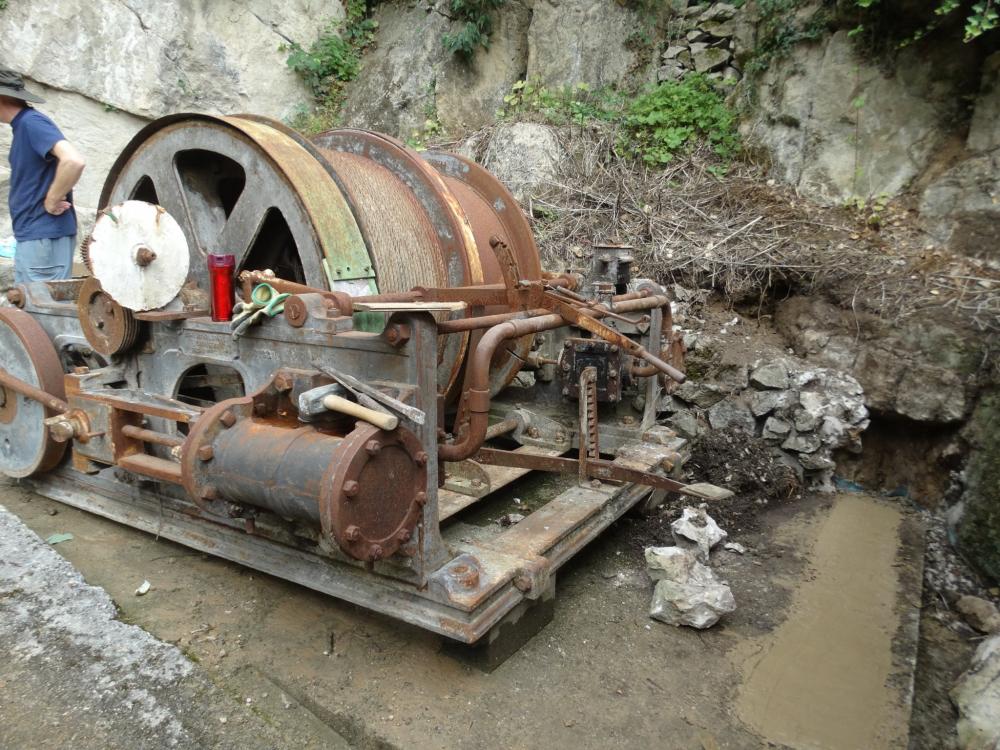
{"x":68,"y":171}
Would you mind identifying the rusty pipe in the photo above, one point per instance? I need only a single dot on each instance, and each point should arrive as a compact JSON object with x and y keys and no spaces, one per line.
{"x":478,"y":395}
{"x":35,"y":394}
{"x":151,"y":436}
{"x":502,"y":428}
{"x":460,"y":325}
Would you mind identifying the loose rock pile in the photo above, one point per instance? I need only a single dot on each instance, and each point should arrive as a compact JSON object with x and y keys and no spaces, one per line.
{"x":706,"y":46}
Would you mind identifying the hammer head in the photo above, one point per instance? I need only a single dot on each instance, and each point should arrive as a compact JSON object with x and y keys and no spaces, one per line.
{"x":311,"y":401}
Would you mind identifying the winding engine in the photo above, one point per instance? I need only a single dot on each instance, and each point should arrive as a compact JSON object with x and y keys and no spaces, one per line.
{"x":398,"y":355}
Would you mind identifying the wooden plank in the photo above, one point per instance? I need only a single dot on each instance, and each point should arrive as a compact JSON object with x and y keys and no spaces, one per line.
{"x":409,"y":306}
{"x":450,"y":503}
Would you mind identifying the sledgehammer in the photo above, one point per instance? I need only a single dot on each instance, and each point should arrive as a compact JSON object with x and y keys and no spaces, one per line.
{"x":317,"y":401}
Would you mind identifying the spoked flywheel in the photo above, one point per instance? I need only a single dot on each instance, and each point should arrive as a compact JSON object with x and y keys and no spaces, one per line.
{"x":26,"y":447}
{"x":245,"y":186}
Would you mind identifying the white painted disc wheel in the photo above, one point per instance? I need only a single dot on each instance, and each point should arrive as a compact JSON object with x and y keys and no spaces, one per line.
{"x":139,"y":254}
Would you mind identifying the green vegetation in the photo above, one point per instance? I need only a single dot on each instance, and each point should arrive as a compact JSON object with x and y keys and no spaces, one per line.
{"x":476,"y":24}
{"x":653,"y":126}
{"x":332,"y":61}
{"x":780,"y":29}
{"x":980,"y":17}
{"x":677,"y":114}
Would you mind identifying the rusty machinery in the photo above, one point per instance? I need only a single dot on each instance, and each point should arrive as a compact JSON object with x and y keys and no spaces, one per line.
{"x":335,"y":442}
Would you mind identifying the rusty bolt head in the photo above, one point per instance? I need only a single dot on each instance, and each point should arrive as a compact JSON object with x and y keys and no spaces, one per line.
{"x":376,"y":553}
{"x":373,"y":447}
{"x":15,"y":297}
{"x":421,"y":458}
{"x":397,"y":334}
{"x":595,"y":483}
{"x":283,"y":382}
{"x":206,"y":453}
{"x":421,"y":498}
{"x":295,"y":312}
{"x":62,"y":430}
{"x":351,"y":488}
{"x":523,"y":583}
{"x":560,"y":436}
{"x":260,"y":408}
{"x":352,"y":533}
{"x":566,"y":366}
{"x":144,"y":257}
{"x":476,"y":482}
{"x":228,"y":419}
{"x":613,"y":374}
{"x":533,"y":432}
{"x":628,"y":419}
{"x":403,"y":536}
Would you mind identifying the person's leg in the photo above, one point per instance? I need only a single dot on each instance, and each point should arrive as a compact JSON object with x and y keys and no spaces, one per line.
{"x":45,"y":260}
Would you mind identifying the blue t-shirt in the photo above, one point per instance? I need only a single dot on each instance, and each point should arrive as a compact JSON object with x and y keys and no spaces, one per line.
{"x":32,"y":169}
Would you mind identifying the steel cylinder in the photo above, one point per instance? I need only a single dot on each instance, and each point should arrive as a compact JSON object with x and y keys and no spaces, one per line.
{"x":272,"y":467}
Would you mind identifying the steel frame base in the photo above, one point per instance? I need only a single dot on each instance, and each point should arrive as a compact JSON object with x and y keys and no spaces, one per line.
{"x":516,"y":567}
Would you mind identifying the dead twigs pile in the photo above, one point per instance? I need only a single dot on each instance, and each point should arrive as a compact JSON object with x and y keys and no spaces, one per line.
{"x":742,"y":235}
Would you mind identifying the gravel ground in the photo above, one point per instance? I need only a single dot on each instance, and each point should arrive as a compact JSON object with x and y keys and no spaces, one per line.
{"x":74,"y":675}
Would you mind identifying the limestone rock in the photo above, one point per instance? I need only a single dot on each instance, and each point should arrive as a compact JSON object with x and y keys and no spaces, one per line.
{"x":694,"y":605}
{"x":977,"y":697}
{"x":979,"y":528}
{"x":807,"y":443}
{"x":931,"y":395}
{"x":468,"y":93}
{"x":771,"y":375}
{"x":395,"y":89}
{"x":702,"y":395}
{"x":961,"y":208}
{"x":764,"y":402}
{"x":776,"y":429}
{"x":671,"y":52}
{"x":719,"y":28}
{"x":523,"y":156}
{"x":675,"y":564}
{"x":697,"y":527}
{"x":984,"y":130}
{"x":574,"y":41}
{"x":732,"y":414}
{"x":162,"y":57}
{"x":686,"y":424}
{"x":687,"y":592}
{"x":671,"y":70}
{"x":718,"y":12}
{"x":823,"y":110}
{"x":6,"y":274}
{"x":982,"y":615}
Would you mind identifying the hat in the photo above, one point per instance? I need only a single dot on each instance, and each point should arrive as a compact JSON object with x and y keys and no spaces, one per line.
{"x":11,"y":84}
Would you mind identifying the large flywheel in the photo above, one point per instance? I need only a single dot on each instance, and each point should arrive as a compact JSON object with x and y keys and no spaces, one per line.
{"x":26,"y":447}
{"x":246,"y":186}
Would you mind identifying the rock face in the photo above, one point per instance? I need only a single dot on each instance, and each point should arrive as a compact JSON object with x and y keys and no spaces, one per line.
{"x":913,"y":370}
{"x":107,"y":67}
{"x":836,"y":126}
{"x":979,"y":528}
{"x":572,"y":41}
{"x":523,"y":156}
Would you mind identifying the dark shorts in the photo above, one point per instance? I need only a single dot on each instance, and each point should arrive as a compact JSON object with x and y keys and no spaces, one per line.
{"x":44,"y":260}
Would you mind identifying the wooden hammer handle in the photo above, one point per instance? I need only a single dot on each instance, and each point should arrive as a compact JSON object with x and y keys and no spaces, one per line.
{"x":379,"y":419}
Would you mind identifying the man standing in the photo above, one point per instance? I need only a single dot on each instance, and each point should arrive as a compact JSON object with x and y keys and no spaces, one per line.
{"x":44,"y":168}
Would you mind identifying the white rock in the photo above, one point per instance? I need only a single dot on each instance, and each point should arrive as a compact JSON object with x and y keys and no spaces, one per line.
{"x":677,"y":564}
{"x":736,"y":547}
{"x":773,"y":375}
{"x":695,"y":525}
{"x":523,"y":156}
{"x":977,"y":697}
{"x":691,"y":604}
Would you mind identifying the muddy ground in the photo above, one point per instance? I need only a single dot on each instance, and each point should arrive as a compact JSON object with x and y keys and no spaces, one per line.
{"x":601,"y":674}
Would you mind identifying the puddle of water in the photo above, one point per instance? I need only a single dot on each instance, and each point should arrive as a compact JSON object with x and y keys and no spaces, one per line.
{"x":820,"y":679}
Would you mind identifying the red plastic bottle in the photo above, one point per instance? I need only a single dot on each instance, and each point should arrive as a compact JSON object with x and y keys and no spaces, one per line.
{"x":220,"y":270}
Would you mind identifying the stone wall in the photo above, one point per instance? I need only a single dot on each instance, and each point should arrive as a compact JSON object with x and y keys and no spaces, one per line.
{"x":108,"y":66}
